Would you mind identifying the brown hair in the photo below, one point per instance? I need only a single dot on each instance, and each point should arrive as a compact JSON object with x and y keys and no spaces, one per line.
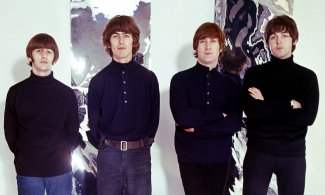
{"x":211,"y":30}
{"x":40,"y":41}
{"x":281,"y":23}
{"x":124,"y":24}
{"x":234,"y":60}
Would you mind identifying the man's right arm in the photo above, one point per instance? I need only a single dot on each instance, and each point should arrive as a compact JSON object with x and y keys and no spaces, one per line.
{"x":93,"y":114}
{"x":10,"y":122}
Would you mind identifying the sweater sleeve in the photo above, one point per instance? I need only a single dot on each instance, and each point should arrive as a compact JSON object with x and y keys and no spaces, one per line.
{"x":10,"y":121}
{"x":93,"y":113}
{"x":258,"y":109}
{"x":184,"y":115}
{"x":154,"y":107}
{"x":309,"y":99}
{"x":72,"y":123}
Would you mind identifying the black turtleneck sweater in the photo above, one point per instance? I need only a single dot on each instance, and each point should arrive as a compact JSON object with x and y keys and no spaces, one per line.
{"x":198,"y":99}
{"x":272,"y":125}
{"x":41,"y":126}
{"x":123,"y":103}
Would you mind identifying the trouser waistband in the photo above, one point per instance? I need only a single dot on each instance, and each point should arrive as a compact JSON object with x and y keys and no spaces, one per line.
{"x":128,"y":145}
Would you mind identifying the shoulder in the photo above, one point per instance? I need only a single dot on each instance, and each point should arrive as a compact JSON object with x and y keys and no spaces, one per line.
{"x":102,"y":73}
{"x":228,"y":80}
{"x":65,"y":88}
{"x":305,"y":70}
{"x":143,"y":69}
{"x":20,"y":86}
{"x":144,"y":73}
{"x":184,"y":73}
{"x":258,"y":68}
{"x":100,"y":76}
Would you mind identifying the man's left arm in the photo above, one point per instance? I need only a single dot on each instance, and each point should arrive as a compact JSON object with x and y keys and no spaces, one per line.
{"x":10,"y":122}
{"x":309,"y":100}
{"x":154,"y":107}
{"x":73,"y":136}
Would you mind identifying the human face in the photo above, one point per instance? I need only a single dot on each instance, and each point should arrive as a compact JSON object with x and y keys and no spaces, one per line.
{"x":280,"y":44}
{"x":42,"y":60}
{"x":121,"y":45}
{"x":208,"y":51}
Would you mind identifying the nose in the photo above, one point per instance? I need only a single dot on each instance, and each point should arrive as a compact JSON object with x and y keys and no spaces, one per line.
{"x":44,"y":54}
{"x":121,"y":40}
{"x":207,"y":45}
{"x":278,"y":39}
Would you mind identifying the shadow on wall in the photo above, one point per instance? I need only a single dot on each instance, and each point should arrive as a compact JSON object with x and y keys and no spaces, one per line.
{"x":165,"y":134}
{"x":21,"y":70}
{"x":185,"y":58}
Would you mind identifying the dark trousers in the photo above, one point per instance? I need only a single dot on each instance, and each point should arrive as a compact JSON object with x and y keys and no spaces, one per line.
{"x":259,"y":167}
{"x":207,"y":179}
{"x":123,"y":172}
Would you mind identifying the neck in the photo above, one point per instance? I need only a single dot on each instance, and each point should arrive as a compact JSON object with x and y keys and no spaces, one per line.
{"x":41,"y":73}
{"x":123,"y":60}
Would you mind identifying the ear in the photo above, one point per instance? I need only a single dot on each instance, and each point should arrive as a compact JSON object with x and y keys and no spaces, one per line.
{"x":30,"y":60}
{"x":294,"y":43}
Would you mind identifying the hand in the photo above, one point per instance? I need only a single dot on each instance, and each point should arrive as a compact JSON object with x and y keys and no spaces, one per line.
{"x":255,"y":93}
{"x":295,"y":104}
{"x":190,"y":130}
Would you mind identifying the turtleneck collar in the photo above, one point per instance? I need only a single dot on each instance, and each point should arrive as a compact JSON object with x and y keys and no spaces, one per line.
{"x":282,"y":62}
{"x":41,"y":80}
{"x":129,"y":66}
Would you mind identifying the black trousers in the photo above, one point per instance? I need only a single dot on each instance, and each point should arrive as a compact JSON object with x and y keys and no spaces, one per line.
{"x":207,"y":179}
{"x":259,"y":167}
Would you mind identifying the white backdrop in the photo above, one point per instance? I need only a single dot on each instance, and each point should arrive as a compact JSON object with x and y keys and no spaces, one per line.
{"x":173,"y":25}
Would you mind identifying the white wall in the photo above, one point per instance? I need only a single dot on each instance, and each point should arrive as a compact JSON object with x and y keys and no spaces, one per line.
{"x":19,"y":21}
{"x":173,"y":25}
{"x":310,"y":53}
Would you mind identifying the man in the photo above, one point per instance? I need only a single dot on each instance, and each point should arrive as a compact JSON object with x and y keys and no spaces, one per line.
{"x":123,"y":103}
{"x":280,"y":99}
{"x":205,"y":106}
{"x":41,"y":124}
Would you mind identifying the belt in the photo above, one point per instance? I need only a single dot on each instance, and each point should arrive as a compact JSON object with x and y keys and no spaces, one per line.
{"x":128,"y":145}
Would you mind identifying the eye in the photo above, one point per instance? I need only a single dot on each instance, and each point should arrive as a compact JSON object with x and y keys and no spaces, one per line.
{"x":272,"y":37}
{"x":286,"y":35}
{"x":49,"y":51}
{"x":127,"y":35}
{"x":114,"y":36}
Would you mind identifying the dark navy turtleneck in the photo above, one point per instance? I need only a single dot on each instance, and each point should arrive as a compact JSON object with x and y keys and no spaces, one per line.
{"x":272,"y":125}
{"x":41,"y":126}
